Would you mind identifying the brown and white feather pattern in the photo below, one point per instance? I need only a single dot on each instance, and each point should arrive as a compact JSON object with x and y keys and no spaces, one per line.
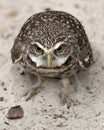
{"x":49,"y":28}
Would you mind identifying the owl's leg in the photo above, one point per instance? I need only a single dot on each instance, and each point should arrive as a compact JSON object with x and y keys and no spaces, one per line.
{"x":34,"y":89}
{"x":65,"y":92}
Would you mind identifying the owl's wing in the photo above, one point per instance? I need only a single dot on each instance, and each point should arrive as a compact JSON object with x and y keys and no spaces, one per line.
{"x":17,"y":51}
{"x":86,"y":57}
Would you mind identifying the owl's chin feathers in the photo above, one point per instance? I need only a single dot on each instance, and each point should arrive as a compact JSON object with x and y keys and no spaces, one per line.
{"x":39,"y":62}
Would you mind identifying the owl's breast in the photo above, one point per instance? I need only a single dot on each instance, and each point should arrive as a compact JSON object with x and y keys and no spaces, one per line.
{"x":66,"y":70}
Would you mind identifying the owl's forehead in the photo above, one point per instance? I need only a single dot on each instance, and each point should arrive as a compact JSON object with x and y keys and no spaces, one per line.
{"x":49,"y":28}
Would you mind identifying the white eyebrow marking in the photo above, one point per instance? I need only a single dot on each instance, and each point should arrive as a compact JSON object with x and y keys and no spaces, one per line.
{"x":38,"y":44}
{"x":45,"y":49}
{"x":41,"y":46}
{"x":58,"y":44}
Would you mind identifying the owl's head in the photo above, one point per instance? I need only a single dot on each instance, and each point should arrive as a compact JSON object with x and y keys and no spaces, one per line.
{"x":49,"y":40}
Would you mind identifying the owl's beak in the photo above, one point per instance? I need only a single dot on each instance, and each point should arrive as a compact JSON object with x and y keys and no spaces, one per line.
{"x":49,"y":60}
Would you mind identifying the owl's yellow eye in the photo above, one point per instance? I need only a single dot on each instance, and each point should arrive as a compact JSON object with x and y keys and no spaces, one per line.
{"x":38,"y":50}
{"x":59,"y":49}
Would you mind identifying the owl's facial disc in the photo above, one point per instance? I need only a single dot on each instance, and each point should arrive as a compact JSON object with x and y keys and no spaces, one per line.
{"x":50,"y":58}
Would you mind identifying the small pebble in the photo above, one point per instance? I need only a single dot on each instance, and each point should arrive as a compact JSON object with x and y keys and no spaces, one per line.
{"x":1,"y":99}
{"x":48,"y":9}
{"x":12,"y":13}
{"x":76,"y":6}
{"x":15,"y":112}
{"x":22,"y":73}
{"x":5,"y":89}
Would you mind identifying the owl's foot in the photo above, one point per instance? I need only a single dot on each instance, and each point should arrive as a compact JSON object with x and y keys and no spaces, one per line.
{"x":29,"y":94}
{"x":65,"y":99}
{"x":34,"y":90}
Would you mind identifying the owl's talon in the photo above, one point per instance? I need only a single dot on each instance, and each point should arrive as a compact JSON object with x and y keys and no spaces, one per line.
{"x":28,"y":95}
{"x":65,"y":99}
{"x":69,"y":102}
{"x":34,"y":89}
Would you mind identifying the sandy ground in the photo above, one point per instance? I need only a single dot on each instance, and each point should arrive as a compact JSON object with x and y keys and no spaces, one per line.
{"x":43,"y":111}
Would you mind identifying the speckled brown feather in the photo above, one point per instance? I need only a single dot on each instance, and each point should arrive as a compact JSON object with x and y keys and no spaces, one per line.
{"x":17,"y":51}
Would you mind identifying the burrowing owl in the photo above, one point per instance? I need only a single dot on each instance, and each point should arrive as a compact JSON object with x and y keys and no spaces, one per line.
{"x":52,"y":44}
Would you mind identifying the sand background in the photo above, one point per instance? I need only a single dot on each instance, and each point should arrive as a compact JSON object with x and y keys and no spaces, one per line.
{"x":43,"y":111}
